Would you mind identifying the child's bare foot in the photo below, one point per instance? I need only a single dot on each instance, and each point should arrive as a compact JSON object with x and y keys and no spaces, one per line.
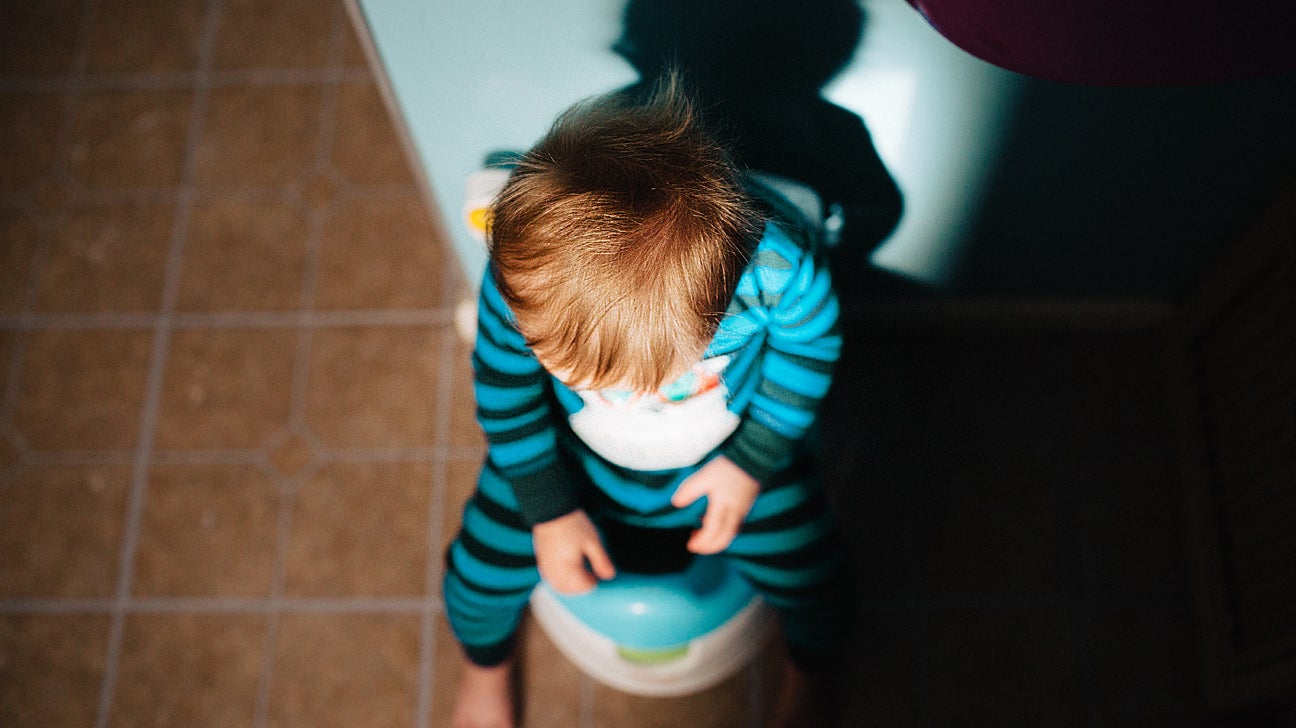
{"x":485,"y":697}
{"x":804,"y":700}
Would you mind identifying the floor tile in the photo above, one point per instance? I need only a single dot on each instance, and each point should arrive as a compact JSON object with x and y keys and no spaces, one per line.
{"x":38,"y":37}
{"x":765,"y":675}
{"x":243,"y":255}
{"x":374,"y":387}
{"x":186,"y":670}
{"x":447,"y":662}
{"x":381,"y":253}
{"x":139,"y":35}
{"x":353,"y":53}
{"x":109,"y":257}
{"x":9,"y":453}
{"x":207,"y":530}
{"x":345,"y":670}
{"x":258,"y":136}
{"x":320,"y":190}
{"x":29,"y":125}
{"x":129,"y":139}
{"x":251,"y":34}
{"x":53,"y":195}
{"x":360,"y":529}
{"x":82,"y":390}
{"x":225,"y":388}
{"x":366,"y":148}
{"x":21,"y":241}
{"x":51,"y":668}
{"x":551,"y":684}
{"x":60,"y":531}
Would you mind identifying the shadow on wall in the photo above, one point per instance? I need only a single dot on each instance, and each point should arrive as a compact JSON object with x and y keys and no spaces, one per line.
{"x":1128,"y":191}
{"x":758,"y":67}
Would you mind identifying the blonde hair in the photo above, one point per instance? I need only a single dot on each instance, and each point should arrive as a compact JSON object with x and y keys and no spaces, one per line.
{"x":619,"y":240}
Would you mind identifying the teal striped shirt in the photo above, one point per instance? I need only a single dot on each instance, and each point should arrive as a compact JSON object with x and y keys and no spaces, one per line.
{"x":778,"y":340}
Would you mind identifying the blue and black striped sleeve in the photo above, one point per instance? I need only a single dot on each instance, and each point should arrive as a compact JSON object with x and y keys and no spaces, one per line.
{"x":514,"y":408}
{"x":803,"y":344}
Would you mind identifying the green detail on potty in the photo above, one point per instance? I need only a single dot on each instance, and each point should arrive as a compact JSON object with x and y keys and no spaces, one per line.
{"x":652,"y":657}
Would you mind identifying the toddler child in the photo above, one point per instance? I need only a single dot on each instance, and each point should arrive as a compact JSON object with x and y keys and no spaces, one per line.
{"x":654,"y":337}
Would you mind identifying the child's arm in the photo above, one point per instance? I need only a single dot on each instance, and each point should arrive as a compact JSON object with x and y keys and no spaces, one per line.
{"x":512,"y":392}
{"x":513,"y":407}
{"x":796,"y":299}
{"x":793,"y":293}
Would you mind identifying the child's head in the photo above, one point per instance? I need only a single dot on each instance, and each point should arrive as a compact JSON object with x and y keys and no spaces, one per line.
{"x":620,"y":238}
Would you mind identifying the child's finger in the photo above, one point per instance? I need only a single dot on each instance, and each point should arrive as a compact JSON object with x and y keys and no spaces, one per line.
{"x":689,"y":491}
{"x":719,"y":526}
{"x":599,"y":561}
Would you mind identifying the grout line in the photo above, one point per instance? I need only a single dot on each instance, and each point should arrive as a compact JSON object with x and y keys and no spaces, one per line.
{"x":309,"y":319}
{"x":229,"y":319}
{"x":79,"y":82}
{"x":80,"y":457}
{"x":157,"y":366}
{"x":425,"y":604}
{"x":242,"y":193}
{"x":24,"y":202}
{"x":283,"y":534}
{"x":254,"y":456}
{"x":45,"y":605}
{"x":272,"y":605}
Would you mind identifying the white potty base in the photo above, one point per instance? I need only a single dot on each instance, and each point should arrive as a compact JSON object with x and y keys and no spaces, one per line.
{"x":708,"y":659}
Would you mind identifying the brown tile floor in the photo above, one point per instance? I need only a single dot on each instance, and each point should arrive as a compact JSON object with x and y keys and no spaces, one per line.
{"x":235,"y":423}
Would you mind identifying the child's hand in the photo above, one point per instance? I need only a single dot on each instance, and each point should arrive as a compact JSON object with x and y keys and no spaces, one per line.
{"x":730,"y":493}
{"x":563,"y":546}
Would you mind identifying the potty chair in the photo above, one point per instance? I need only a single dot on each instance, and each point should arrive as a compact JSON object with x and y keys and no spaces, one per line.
{"x":668,"y":624}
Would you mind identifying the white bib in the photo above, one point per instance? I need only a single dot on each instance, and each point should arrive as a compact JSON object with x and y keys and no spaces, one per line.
{"x":673,"y":428}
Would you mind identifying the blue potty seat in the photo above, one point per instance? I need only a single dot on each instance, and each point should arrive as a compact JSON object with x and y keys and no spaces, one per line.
{"x":659,"y":634}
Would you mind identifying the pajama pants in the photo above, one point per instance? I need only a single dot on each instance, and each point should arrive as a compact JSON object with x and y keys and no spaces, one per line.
{"x":786,"y":549}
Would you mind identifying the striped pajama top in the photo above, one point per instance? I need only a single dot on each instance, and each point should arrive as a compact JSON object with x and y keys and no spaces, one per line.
{"x":752,"y":398}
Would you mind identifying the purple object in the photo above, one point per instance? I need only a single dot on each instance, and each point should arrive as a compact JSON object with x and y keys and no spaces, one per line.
{"x":1123,"y":42}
